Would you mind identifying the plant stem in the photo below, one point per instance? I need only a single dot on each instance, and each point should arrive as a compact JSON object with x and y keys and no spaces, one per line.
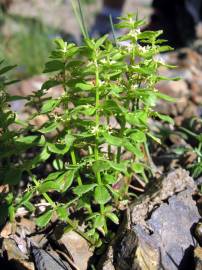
{"x":150,"y":161}
{"x":45,"y":195}
{"x":118,"y":154}
{"x":97,"y":118}
{"x":97,"y":122}
{"x":69,"y":221}
{"x":73,"y":157}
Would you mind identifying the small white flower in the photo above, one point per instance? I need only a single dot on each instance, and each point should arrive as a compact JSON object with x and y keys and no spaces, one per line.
{"x":103,"y":61}
{"x":95,"y":130}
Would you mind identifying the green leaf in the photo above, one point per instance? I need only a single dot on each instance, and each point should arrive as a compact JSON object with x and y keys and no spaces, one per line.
{"x":6,"y":69}
{"x":100,"y":166}
{"x":137,"y":167}
{"x":31,"y":140}
{"x":65,"y":180}
{"x":53,"y":176}
{"x":111,"y":106}
{"x":58,"y":148}
{"x":165,"y":118}
{"x":11,"y":213}
{"x":58,"y":164}
{"x":48,"y":127}
{"x":121,"y":166}
{"x":29,"y":206}
{"x":49,"y":105}
{"x":48,"y":186}
{"x":80,"y":190}
{"x":110,"y":179}
{"x":84,"y":86}
{"x":156,"y":139}
{"x":99,"y":221}
{"x":13,"y":176}
{"x":113,"y":217}
{"x":62,"y":213}
{"x":43,"y":156}
{"x":138,"y":136}
{"x":44,"y":219}
{"x":26,"y":197}
{"x":113,"y":140}
{"x":53,"y":65}
{"x":49,"y":84}
{"x":138,"y":118}
{"x":69,"y":140}
{"x":102,"y":196}
{"x":15,"y":98}
{"x":165,"y":97}
{"x":100,"y":41}
{"x":133,"y":149}
{"x":60,"y":43}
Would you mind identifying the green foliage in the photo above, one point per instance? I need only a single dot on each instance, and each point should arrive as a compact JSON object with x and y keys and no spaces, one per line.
{"x":196,"y":166}
{"x":101,"y":82}
{"x":29,"y":47}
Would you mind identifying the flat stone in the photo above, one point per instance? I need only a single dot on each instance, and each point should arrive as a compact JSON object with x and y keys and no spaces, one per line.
{"x":77,"y":247}
{"x":171,"y":224}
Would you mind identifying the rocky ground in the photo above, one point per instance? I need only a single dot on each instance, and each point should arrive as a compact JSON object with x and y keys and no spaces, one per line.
{"x":59,"y":13}
{"x":162,"y":230}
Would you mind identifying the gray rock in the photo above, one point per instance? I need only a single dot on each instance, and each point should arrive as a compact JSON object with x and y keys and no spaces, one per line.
{"x":45,"y":261}
{"x":170,"y":227}
{"x":160,"y":233}
{"x":76,"y":246}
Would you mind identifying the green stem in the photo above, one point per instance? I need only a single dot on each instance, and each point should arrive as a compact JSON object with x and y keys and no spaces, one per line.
{"x":150,"y":161}
{"x":45,"y":195}
{"x":97,"y":122}
{"x":118,"y":157}
{"x":73,"y":157}
{"x":102,"y":210}
{"x":69,"y":221}
{"x":97,"y":119}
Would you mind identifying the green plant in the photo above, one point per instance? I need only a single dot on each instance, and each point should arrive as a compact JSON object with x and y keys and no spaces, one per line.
{"x":29,"y":47}
{"x":108,"y":97}
{"x":196,"y":137}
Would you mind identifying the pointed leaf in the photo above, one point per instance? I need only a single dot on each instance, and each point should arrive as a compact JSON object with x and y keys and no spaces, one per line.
{"x":99,"y":221}
{"x":48,"y":186}
{"x":44,"y":219}
{"x":113,"y":140}
{"x":138,"y":136}
{"x":49,"y":105}
{"x":66,"y":179}
{"x":102,"y":196}
{"x":100,"y":166}
{"x":113,"y":217}
{"x":48,"y":127}
{"x":80,"y":190}
{"x":84,"y":86}
{"x":137,"y":167}
{"x":62,"y":213}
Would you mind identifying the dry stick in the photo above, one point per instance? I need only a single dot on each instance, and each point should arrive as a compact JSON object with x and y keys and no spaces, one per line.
{"x":136,"y":188}
{"x":140,"y":181}
{"x":68,"y":259}
{"x":150,"y":161}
